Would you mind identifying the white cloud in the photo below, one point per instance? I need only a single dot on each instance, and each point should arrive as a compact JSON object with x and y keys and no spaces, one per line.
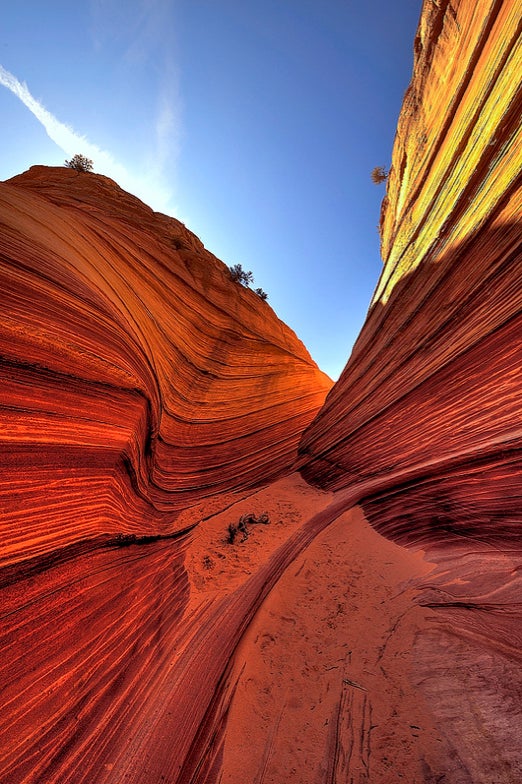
{"x":150,"y":188}
{"x":143,"y":34}
{"x":167,"y":124}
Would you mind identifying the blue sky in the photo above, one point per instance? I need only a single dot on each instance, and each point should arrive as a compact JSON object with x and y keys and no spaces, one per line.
{"x":255,"y":122}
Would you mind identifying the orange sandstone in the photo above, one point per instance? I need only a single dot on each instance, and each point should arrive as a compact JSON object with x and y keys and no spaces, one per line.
{"x":138,"y":381}
{"x":148,"y":402}
{"x":137,"y":377}
{"x":430,"y":399}
{"x":425,"y":418}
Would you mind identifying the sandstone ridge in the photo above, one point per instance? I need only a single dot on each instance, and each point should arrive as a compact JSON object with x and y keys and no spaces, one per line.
{"x":130,"y":359}
{"x":149,"y":402}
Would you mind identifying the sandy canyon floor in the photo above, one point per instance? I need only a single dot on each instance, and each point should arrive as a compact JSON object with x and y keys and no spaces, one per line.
{"x":321,"y":686}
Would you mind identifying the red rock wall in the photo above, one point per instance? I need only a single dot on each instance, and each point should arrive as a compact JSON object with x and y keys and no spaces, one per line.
{"x":426,"y":418}
{"x":429,"y":403}
{"x":137,"y":377}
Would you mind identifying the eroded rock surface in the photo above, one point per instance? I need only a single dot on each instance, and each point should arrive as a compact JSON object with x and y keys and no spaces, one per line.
{"x":426,"y":415}
{"x":137,"y":379}
{"x":145,"y":398}
{"x":431,"y":395}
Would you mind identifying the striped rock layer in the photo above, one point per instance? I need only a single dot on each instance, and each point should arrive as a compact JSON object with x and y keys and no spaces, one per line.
{"x":426,"y":417}
{"x":429,"y":403}
{"x":137,"y":377}
{"x":144,"y":392}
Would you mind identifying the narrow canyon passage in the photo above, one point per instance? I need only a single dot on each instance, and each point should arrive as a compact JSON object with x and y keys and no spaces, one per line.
{"x":320,"y":688}
{"x":149,"y":401}
{"x":293,"y":658}
{"x":366,"y":662}
{"x":324,"y":690}
{"x":314,"y":651}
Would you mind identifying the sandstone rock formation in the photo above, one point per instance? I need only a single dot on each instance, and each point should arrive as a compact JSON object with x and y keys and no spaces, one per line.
{"x":129,"y":360}
{"x":426,"y":416}
{"x":148,"y":402}
{"x":431,"y":396}
{"x":137,"y":379}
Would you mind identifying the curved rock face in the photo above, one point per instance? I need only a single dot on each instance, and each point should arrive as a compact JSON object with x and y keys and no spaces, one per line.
{"x":425,"y":419}
{"x":143,"y":393}
{"x":137,"y":380}
{"x":429,"y":402}
{"x":137,"y":377}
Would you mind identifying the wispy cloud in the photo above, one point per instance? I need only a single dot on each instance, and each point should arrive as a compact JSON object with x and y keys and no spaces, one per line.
{"x":167,"y":127}
{"x":61,"y":134}
{"x":149,"y":188}
{"x":143,"y":33}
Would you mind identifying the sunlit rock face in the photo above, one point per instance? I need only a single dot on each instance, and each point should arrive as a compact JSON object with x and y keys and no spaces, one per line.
{"x":137,"y":377}
{"x":137,"y":380}
{"x":429,"y":402}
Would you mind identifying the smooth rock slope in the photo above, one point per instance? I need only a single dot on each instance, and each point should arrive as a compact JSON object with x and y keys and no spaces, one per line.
{"x":148,"y":402}
{"x":137,"y":379}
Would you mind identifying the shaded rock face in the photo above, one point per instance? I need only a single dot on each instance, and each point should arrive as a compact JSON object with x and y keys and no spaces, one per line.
{"x":428,"y":408}
{"x":429,"y":402}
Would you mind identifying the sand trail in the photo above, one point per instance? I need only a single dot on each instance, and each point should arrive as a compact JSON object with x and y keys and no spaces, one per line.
{"x":318,"y":688}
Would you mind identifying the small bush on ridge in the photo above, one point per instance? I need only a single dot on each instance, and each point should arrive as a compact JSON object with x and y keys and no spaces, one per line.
{"x":239,"y":275}
{"x":379,"y":175}
{"x":245,"y":278}
{"x":79,"y":163}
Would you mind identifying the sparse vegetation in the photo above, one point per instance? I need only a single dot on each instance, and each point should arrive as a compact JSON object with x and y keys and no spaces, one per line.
{"x":379,"y":175}
{"x":79,"y":163}
{"x":245,"y":278}
{"x":232,"y":533}
{"x":242,"y":526}
{"x":239,"y":275}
